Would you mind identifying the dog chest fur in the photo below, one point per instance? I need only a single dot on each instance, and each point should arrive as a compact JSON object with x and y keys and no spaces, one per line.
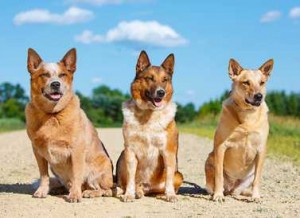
{"x":52,"y":134}
{"x":146,"y":135}
{"x":146,"y":129}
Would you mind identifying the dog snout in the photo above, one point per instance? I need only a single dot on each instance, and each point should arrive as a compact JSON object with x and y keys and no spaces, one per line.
{"x":55,"y":85}
{"x":160,"y":93}
{"x":258,"y":97}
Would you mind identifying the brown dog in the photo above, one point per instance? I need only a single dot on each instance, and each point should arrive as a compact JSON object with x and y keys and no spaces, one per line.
{"x":148,"y":164}
{"x":236,"y":161}
{"x":61,"y":134}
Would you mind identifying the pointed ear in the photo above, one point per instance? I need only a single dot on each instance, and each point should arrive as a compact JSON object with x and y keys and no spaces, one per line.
{"x":69,"y":60}
{"x":33,"y":60}
{"x":168,"y":64}
{"x":267,"y":67}
{"x":143,"y":62}
{"x":234,"y":68}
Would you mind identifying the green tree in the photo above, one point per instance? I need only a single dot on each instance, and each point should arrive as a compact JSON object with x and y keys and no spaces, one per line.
{"x":185,"y":113}
{"x":12,"y":101}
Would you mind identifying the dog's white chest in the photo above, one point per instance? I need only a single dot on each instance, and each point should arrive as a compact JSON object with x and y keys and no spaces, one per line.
{"x":144,"y":137}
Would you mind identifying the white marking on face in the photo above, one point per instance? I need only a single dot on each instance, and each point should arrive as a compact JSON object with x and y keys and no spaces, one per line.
{"x":52,"y":68}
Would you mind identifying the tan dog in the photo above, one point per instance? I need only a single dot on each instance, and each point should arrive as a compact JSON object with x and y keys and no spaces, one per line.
{"x":61,"y":134}
{"x":236,"y":161}
{"x":148,"y":164}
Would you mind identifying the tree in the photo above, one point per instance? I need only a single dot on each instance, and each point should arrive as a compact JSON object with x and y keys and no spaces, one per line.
{"x":186,"y":113}
{"x":12,"y":101}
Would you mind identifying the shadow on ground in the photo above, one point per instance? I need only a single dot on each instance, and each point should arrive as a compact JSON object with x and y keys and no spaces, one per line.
{"x":18,"y":188}
{"x":191,"y":189}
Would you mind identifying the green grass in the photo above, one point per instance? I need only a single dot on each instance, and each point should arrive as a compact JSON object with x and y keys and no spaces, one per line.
{"x":11,"y":124}
{"x":204,"y":127}
{"x":283,"y":141}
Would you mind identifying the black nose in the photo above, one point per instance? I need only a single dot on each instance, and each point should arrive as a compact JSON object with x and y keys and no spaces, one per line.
{"x":258,"y":97}
{"x":55,"y":85}
{"x":160,"y":93}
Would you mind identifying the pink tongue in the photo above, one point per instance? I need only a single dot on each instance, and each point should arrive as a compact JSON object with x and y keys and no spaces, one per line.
{"x":158,"y":103}
{"x":55,"y":96}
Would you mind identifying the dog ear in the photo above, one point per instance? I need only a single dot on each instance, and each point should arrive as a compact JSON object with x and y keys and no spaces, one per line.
{"x":267,"y":67}
{"x":33,"y":60}
{"x":69,"y":60}
{"x":143,"y":62}
{"x":168,"y":64}
{"x":234,"y":68}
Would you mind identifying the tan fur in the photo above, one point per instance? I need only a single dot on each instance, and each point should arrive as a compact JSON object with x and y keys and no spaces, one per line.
{"x":148,"y":164}
{"x":236,"y":161}
{"x":61,"y":134}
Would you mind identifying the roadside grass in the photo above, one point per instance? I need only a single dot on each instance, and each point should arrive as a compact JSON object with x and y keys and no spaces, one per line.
{"x":283,"y":141}
{"x":11,"y":124}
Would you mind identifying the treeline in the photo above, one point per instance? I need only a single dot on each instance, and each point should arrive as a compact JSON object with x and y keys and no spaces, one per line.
{"x":279,"y":102}
{"x":103,"y":107}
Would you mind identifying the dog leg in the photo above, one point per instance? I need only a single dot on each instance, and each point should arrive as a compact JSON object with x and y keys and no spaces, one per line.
{"x":43,"y":188}
{"x":210,"y":173}
{"x":259,"y":161}
{"x":77,"y":159}
{"x":131,"y":165}
{"x":219,"y":177}
{"x":170,"y":165}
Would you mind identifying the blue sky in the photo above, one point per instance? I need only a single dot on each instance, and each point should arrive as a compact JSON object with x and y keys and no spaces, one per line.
{"x":109,"y":35}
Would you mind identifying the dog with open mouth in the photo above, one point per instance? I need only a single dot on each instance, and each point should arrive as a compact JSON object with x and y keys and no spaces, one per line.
{"x":235,"y":164}
{"x":148,"y":164}
{"x":61,"y":134}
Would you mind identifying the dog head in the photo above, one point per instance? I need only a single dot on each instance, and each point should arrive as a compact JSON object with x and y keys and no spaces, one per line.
{"x":152,"y":87}
{"x":51,"y":83}
{"x":249,"y":86}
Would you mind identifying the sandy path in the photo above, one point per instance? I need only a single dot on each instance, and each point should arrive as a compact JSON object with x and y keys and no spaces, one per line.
{"x":280,"y":187}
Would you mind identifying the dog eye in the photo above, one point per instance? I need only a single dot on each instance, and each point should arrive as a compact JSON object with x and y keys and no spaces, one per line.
{"x":165,"y":79}
{"x":149,"y":78}
{"x":45,"y":75}
{"x":62,"y":75}
{"x":262,"y":83}
{"x":246,"y":83}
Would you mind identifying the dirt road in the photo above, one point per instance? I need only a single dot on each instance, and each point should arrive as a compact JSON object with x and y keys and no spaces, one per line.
{"x":18,"y":170}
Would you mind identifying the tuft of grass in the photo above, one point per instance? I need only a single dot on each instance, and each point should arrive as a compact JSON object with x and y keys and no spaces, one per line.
{"x":10,"y":124}
{"x":283,"y":141}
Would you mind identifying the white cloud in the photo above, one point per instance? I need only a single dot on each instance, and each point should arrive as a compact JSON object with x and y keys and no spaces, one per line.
{"x":70,"y":16}
{"x":96,"y":80}
{"x":88,"y":37}
{"x":270,"y":16}
{"x":295,"y":13}
{"x":139,"y":32}
{"x":99,"y":2}
{"x":190,"y":92}
{"x":106,"y":2}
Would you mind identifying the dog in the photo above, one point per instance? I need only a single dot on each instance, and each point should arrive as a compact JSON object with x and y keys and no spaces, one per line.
{"x":61,"y":134}
{"x":148,"y":164}
{"x":236,"y":162}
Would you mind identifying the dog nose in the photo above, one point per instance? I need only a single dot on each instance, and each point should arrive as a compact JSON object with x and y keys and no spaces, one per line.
{"x":160,"y":93}
{"x":55,"y":85}
{"x":258,"y":97}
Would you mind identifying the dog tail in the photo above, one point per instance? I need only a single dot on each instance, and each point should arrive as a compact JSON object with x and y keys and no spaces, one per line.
{"x":178,"y":179}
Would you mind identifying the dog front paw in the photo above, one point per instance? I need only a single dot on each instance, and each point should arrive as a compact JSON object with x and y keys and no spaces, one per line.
{"x":256,"y":198}
{"x":218,"y":197}
{"x":127,"y":198}
{"x":41,"y":192}
{"x":75,"y":196}
{"x":139,"y":194}
{"x":171,"y":198}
